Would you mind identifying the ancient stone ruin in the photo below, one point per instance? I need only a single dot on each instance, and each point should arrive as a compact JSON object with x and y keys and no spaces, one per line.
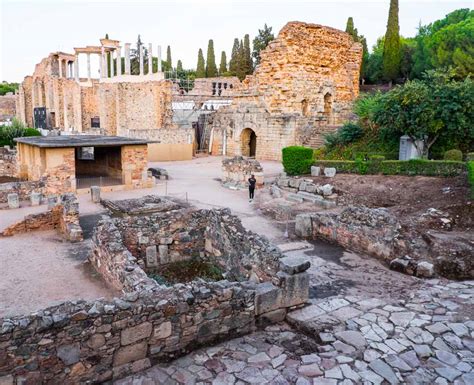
{"x":156,"y":320}
{"x":237,"y":170}
{"x":304,"y":87}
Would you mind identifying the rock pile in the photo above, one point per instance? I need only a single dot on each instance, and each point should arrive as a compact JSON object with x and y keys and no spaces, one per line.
{"x":306,"y":190}
{"x":237,"y":170}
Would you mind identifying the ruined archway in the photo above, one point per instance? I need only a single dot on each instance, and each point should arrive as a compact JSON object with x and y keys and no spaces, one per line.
{"x":248,"y":142}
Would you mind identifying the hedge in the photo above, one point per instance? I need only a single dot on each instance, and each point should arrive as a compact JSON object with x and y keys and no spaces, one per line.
{"x":453,"y":155}
{"x":397,"y":167}
{"x":470,"y":176}
{"x":297,"y":160}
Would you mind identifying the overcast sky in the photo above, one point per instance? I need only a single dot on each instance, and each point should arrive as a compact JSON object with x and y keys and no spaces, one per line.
{"x":30,"y":30}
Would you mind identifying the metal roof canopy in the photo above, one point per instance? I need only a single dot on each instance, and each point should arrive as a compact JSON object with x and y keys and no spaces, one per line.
{"x":79,"y":141}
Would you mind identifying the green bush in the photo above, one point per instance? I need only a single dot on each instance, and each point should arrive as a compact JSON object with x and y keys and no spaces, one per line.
{"x":453,"y":155}
{"x":16,"y":130}
{"x":396,"y":167}
{"x":469,"y":156}
{"x":470,"y":176}
{"x":348,"y":133}
{"x":297,"y":160}
{"x":376,"y":158}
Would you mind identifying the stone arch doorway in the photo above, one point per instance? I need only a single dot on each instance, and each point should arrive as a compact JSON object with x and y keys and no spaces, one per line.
{"x":248,"y":142}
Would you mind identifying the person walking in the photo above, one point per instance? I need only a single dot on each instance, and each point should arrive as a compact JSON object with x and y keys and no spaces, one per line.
{"x":252,"y":182}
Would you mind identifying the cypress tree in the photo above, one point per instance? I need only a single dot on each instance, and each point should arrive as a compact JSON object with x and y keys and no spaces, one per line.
{"x":201,"y":66}
{"x":240,"y":68}
{"x":211,"y":68}
{"x":391,"y":47}
{"x":223,"y":64}
{"x":179,"y":65}
{"x":168,"y":58}
{"x":350,"y":27}
{"x":234,"y":59}
{"x":247,"y":62}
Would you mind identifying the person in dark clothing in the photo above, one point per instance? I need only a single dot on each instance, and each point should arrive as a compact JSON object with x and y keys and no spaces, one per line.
{"x":252,"y":183}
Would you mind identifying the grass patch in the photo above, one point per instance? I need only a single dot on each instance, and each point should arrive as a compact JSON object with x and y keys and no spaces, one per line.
{"x":186,"y":271}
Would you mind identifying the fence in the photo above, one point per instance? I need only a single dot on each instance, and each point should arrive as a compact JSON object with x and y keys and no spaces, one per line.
{"x":86,"y":182}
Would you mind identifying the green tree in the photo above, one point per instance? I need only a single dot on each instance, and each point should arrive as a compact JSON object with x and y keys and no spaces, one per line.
{"x":135,"y":57}
{"x":247,"y":60}
{"x":211,"y":68}
{"x":8,"y":87}
{"x":223,"y":64}
{"x":201,"y":66}
{"x":168,"y":58}
{"x":241,"y":65}
{"x":179,"y":66}
{"x":436,"y":108}
{"x":350,"y":28}
{"x":391,"y":49}
{"x":261,"y":41}
{"x":234,"y":58}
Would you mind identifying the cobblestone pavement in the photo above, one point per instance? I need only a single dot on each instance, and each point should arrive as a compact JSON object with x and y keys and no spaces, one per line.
{"x":428,"y":338}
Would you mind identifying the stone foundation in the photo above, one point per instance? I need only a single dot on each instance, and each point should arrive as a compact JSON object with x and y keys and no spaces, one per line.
{"x":8,"y":165}
{"x":23,"y":189}
{"x":64,"y":217}
{"x":78,"y":342}
{"x":237,"y":170}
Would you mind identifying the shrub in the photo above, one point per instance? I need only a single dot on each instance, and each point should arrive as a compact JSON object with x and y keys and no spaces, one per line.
{"x":348,"y":133}
{"x":397,"y":167}
{"x":376,"y":158}
{"x":469,"y":156}
{"x":470,"y":176}
{"x":16,"y":130}
{"x":297,"y":160}
{"x":453,"y":155}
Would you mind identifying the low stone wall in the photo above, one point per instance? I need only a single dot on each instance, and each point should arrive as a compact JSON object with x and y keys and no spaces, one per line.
{"x":64,"y":217}
{"x":378,"y":233}
{"x":8,"y":164}
{"x":23,"y":189}
{"x":237,"y":170}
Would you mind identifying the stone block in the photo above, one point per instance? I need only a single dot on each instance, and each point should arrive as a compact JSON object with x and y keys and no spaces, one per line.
{"x":309,"y":197}
{"x":268,"y":297}
{"x":303,"y":226}
{"x":295,"y":198}
{"x":35,"y":198}
{"x":95,"y":194}
{"x":136,"y":333}
{"x":326,"y":190}
{"x":327,"y":204}
{"x":162,"y":330}
{"x":272,"y":317}
{"x":151,"y":256}
{"x":311,"y":188}
{"x":294,"y":182}
{"x":425,"y":269}
{"x":330,"y":172}
{"x":6,"y":380}
{"x":294,"y":288}
{"x":294,"y":264}
{"x":163,"y":252}
{"x":69,"y":354}
{"x":130,"y":353}
{"x":315,"y":171}
{"x":276,"y":191}
{"x":283,"y":182}
{"x":166,"y":241}
{"x":52,"y":201}
{"x":13,"y":201}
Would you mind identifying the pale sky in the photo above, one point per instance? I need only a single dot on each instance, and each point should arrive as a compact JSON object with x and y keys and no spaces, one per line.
{"x":30,"y":30}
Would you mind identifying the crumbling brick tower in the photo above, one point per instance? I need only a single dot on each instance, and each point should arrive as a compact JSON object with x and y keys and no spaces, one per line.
{"x":303,"y":88}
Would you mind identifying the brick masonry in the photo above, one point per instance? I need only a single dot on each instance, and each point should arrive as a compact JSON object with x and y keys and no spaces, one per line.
{"x":8,"y":164}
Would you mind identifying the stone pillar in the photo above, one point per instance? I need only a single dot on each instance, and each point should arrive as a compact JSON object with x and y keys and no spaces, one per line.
{"x":119,"y":61}
{"x":76,"y":68}
{"x":13,"y":201}
{"x":111,"y":64}
{"x":89,"y":67}
{"x":127,"y":58}
{"x":103,"y":64}
{"x":150,"y":59}
{"x":60,"y":68}
{"x":95,"y":194}
{"x":141,"y":60}
{"x":52,"y":201}
{"x":158,"y":54}
{"x":35,"y":198}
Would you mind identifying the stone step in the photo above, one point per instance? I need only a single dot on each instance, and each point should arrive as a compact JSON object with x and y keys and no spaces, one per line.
{"x":292,"y":246}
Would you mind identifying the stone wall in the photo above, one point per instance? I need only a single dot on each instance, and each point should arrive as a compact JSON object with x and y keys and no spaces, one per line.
{"x":237,"y":170}
{"x":64,"y":217}
{"x":303,"y":88}
{"x":8,"y":163}
{"x":23,"y":189}
{"x":7,"y":107}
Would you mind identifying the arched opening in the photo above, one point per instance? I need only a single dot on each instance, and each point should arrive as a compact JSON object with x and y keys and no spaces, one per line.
{"x":248,"y":142}
{"x":327,"y":104}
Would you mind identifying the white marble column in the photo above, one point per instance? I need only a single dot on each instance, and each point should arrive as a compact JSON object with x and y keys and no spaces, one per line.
{"x":111,"y":54}
{"x":119,"y":61}
{"x":127,"y":58}
{"x":76,"y":68}
{"x":60,"y":68}
{"x":89,"y":67}
{"x":158,"y":54}
{"x":103,"y":64}
{"x":150,"y":59}
{"x":141,"y":60}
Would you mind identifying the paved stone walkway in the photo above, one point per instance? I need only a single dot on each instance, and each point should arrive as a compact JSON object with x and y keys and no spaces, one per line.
{"x":426,"y":339}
